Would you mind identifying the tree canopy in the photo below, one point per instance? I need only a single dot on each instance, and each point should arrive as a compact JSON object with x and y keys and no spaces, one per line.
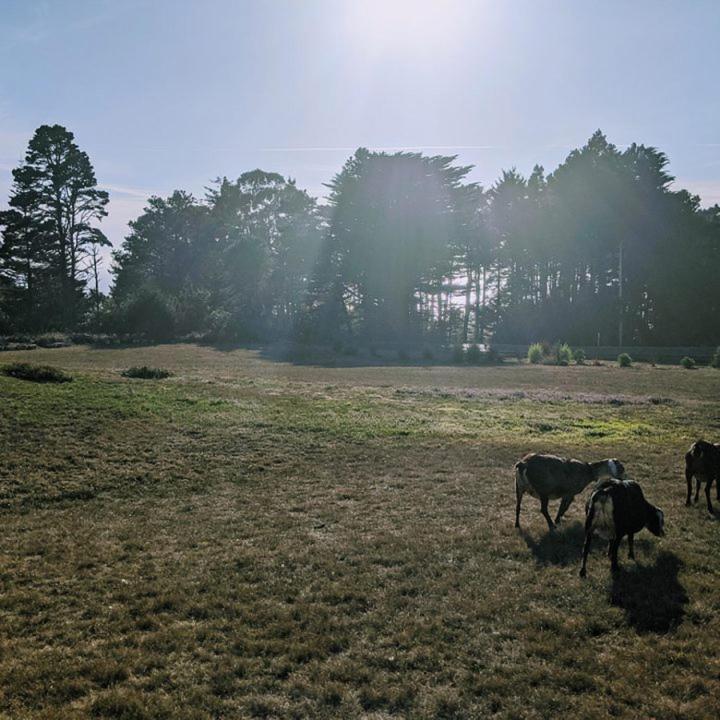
{"x":404,"y":249}
{"x":49,"y":230}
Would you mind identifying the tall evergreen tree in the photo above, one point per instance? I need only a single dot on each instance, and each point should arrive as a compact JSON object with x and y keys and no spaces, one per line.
{"x":392,"y":223}
{"x":54,"y":205}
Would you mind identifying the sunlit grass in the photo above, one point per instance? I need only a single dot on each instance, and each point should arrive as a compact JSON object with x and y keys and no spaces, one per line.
{"x":249,"y":539}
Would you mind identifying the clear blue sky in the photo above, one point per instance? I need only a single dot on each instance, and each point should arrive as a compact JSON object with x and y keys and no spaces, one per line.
{"x":168,"y":94}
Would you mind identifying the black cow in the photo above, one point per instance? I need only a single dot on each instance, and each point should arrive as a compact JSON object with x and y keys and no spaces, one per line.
{"x":615,"y":509}
{"x":702,"y":461}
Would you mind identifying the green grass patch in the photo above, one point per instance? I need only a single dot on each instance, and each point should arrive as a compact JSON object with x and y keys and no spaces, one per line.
{"x":258,"y":539}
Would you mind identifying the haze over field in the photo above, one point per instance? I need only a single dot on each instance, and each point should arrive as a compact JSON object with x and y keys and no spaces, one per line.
{"x":166,"y":95}
{"x":337,"y":339}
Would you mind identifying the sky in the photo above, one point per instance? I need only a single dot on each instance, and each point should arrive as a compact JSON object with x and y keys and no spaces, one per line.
{"x":166,"y":94}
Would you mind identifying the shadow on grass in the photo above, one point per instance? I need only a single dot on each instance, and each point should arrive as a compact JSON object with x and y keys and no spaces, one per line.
{"x":562,"y":547}
{"x":651,"y":595}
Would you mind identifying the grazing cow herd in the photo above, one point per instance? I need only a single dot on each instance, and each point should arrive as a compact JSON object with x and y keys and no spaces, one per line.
{"x":617,"y":506}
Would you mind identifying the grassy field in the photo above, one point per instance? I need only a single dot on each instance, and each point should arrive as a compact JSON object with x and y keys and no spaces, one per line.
{"x":255,"y":539}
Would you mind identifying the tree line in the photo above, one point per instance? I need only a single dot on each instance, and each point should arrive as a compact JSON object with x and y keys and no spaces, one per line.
{"x":404,"y":249}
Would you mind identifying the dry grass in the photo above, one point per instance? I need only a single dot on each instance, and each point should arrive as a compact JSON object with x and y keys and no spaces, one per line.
{"x":254,"y":539}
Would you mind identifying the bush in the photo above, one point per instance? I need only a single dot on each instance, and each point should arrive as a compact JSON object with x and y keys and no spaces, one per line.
{"x":17,"y":346}
{"x":219,"y":327}
{"x":458,"y":355}
{"x":428,"y":354}
{"x":688,"y":363}
{"x":715,"y":362}
{"x":624,"y":360}
{"x":147,"y":313}
{"x":579,"y":356}
{"x":563,"y":354}
{"x":473,"y":355}
{"x":403,"y":355}
{"x":52,"y":340}
{"x":535,"y":353}
{"x":146,"y":373}
{"x":191,"y":311}
{"x":36,"y":373}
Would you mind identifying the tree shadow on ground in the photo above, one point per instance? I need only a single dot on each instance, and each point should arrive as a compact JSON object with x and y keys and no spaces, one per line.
{"x":561,"y":547}
{"x":651,"y":595}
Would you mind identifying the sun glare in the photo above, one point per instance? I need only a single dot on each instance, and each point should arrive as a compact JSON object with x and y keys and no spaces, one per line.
{"x":406,"y":25}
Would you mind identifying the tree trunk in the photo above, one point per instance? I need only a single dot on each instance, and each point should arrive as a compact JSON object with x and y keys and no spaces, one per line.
{"x":468,"y":292}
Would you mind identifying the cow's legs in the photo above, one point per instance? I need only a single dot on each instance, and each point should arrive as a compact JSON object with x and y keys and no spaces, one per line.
{"x":708,"y":483}
{"x":614,"y":545}
{"x":631,"y":546}
{"x":588,"y":540}
{"x":564,"y":505}
{"x":544,"y":511}
{"x":518,"y":500}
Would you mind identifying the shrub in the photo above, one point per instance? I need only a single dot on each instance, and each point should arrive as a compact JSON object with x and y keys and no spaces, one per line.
{"x":579,"y":356}
{"x":535,"y":353}
{"x":428,"y":354}
{"x":20,"y":339}
{"x":146,"y":373}
{"x":624,"y":360}
{"x":191,"y":311}
{"x":17,"y":346}
{"x":458,"y":355}
{"x":52,"y":340}
{"x":715,"y":362}
{"x":82,"y":338}
{"x":147,"y":313}
{"x":36,"y":373}
{"x":403,"y":355}
{"x":563,"y":354}
{"x":219,"y":325}
{"x":473,"y":355}
{"x":688,"y":363}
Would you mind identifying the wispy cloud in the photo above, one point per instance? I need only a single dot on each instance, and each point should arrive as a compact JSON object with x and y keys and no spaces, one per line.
{"x":352,"y":148}
{"x":133,"y":192}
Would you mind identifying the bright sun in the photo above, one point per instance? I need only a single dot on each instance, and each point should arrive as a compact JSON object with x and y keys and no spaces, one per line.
{"x":402,"y":25}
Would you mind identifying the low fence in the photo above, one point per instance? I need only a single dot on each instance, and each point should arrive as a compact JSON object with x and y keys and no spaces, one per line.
{"x":610,"y":352}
